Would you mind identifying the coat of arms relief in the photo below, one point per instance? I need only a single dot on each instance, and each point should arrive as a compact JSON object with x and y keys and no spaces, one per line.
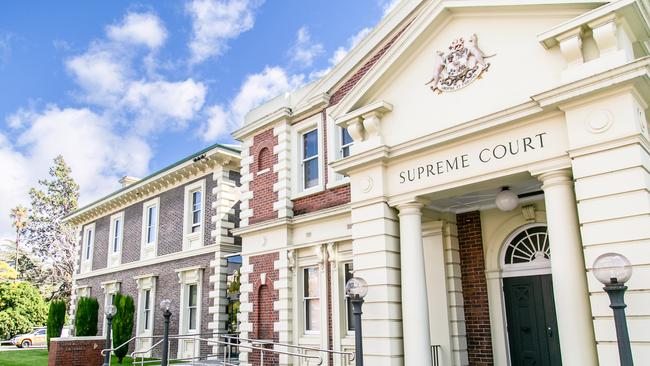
{"x":463,"y":63}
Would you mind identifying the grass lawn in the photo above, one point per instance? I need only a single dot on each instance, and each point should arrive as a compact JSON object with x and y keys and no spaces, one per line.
{"x":38,"y":357}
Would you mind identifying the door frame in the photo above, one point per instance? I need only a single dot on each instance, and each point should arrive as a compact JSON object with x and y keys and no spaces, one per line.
{"x":517,"y":270}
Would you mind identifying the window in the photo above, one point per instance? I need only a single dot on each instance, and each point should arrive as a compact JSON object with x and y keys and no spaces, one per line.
{"x":193,"y":215}
{"x":146,"y":309}
{"x":192,"y":306}
{"x":346,"y":142}
{"x":310,"y":169}
{"x":311,"y":297}
{"x":89,"y":243}
{"x":196,"y":211}
{"x":150,"y":227}
{"x":349,"y":270}
{"x":117,"y":235}
{"x":151,"y":224}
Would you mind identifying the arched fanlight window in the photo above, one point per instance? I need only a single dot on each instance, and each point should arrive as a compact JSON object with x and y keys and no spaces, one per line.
{"x":528,"y":246}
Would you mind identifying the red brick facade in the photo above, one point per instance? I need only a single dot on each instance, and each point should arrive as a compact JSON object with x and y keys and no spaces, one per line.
{"x":475,"y":294}
{"x":329,"y":198}
{"x":262,"y":184}
{"x":77,"y":351}
{"x":262,"y":298}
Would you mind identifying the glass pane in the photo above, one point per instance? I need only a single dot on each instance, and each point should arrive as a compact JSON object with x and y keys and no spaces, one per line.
{"x":192,"y":325}
{"x":116,"y":236}
{"x":312,"y":315}
{"x":192,"y":295}
{"x":196,"y":199}
{"x":151,"y":232}
{"x":196,"y":217}
{"x":311,"y":282}
{"x":310,"y":144}
{"x":146,"y":319}
{"x":311,"y":173}
{"x":147,"y":294}
{"x":345,"y":137}
{"x":345,"y":151}
{"x":89,"y":240}
{"x":349,"y":267}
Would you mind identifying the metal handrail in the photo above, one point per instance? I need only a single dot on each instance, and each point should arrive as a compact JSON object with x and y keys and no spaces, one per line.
{"x":310,"y":348}
{"x":120,"y":346}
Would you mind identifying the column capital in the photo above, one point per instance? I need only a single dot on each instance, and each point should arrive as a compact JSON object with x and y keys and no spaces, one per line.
{"x":411,"y":207}
{"x":555,"y":177}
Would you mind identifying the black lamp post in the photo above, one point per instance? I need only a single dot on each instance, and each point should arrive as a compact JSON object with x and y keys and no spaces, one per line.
{"x":164,"y":306}
{"x":613,"y":270}
{"x":356,"y":289}
{"x":109,"y":312}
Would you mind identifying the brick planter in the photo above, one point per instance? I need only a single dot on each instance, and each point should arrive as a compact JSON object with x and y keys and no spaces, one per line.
{"x":76,"y":351}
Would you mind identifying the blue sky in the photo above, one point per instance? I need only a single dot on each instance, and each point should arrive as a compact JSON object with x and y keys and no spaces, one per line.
{"x":125,"y":88}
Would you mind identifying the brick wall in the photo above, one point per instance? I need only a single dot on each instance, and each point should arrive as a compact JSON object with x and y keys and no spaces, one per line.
{"x":170,"y":231}
{"x":262,"y":185}
{"x":345,"y":88}
{"x":82,"y":351}
{"x":475,"y":297}
{"x":262,"y":298}
{"x":167,"y":287}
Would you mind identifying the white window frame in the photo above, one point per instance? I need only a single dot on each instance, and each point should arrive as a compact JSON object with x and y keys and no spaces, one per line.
{"x":145,"y":283}
{"x":334,"y":153}
{"x":304,"y":300}
{"x":298,"y":131}
{"x":189,"y":276}
{"x":110,"y":289}
{"x":115,"y":257}
{"x":193,"y":240}
{"x":87,"y":251}
{"x":150,"y":250}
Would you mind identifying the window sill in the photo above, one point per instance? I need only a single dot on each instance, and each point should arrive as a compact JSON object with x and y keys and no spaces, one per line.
{"x":338,"y":183}
{"x":264,"y":171}
{"x":308,"y":192}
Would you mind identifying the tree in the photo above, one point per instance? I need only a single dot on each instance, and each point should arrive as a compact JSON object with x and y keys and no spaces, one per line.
{"x":7,"y":272}
{"x":86,"y":316}
{"x":55,"y":320}
{"x":52,"y":240}
{"x":18,"y":217}
{"x":21,"y":308}
{"x":31,"y":267}
{"x":122,"y":324}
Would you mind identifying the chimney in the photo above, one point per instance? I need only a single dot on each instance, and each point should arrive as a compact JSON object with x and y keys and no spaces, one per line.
{"x":127,"y":181}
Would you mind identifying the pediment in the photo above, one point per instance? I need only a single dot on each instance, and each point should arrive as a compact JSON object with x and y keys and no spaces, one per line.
{"x":488,"y":56}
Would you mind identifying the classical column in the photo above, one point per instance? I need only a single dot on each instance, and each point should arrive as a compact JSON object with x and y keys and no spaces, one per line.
{"x":415,"y":311}
{"x":575,"y":325}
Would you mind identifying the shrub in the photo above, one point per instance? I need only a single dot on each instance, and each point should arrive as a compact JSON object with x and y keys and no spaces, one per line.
{"x":122,"y":324}
{"x":85,"y":320}
{"x":55,"y":320}
{"x":21,"y":308}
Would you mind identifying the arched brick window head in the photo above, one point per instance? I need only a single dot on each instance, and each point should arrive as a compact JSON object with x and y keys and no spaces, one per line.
{"x":264,"y":159}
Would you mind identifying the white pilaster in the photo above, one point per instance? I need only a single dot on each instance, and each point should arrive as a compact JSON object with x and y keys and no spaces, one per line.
{"x":284,"y":326}
{"x":245,"y":308}
{"x":415,"y":313}
{"x":246,"y":178}
{"x":572,"y":305}
{"x":284,"y":205}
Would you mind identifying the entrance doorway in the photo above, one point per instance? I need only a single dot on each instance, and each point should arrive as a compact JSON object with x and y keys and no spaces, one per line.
{"x":528,"y":296}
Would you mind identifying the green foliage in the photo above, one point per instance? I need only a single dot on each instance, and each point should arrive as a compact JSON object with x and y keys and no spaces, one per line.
{"x":55,"y":320}
{"x":21,"y":308}
{"x":46,"y":235}
{"x":122,"y":324}
{"x":7,"y":272}
{"x":86,"y":316}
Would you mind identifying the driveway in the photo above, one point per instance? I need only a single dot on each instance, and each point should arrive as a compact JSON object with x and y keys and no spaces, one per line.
{"x":14,"y":348}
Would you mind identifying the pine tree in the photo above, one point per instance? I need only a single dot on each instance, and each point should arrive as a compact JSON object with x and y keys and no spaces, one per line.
{"x":52,"y":240}
{"x":55,"y":320}
{"x":86,"y":316}
{"x":122,"y":324}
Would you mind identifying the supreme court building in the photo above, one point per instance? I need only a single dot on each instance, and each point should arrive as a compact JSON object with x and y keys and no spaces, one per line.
{"x":390,"y":168}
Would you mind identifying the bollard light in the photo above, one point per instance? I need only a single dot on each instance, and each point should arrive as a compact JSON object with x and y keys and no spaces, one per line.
{"x":110,"y":312}
{"x":165,"y":306}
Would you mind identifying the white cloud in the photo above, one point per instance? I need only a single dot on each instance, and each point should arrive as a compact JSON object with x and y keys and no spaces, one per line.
{"x":97,"y":154}
{"x":340,"y":53}
{"x":255,"y":90}
{"x":388,"y":5}
{"x":214,"y":22}
{"x":180,"y":99}
{"x":304,"y":51}
{"x":101,"y":73}
{"x":5,"y":48}
{"x":139,"y":29}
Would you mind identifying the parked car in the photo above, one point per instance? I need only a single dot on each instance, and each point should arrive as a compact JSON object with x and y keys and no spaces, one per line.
{"x":38,"y":337}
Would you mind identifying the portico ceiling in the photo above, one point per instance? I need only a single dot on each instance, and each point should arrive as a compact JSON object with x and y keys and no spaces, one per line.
{"x":482,"y":197}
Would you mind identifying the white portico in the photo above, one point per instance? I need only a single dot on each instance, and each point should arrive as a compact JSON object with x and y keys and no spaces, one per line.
{"x":555,"y":112}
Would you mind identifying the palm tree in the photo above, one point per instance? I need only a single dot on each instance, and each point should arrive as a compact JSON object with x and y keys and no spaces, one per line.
{"x":18,"y":217}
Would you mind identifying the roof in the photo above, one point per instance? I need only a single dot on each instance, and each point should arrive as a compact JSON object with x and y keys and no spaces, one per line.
{"x":234,"y":149}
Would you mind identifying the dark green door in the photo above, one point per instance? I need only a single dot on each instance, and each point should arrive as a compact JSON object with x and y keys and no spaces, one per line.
{"x":532,"y":326}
